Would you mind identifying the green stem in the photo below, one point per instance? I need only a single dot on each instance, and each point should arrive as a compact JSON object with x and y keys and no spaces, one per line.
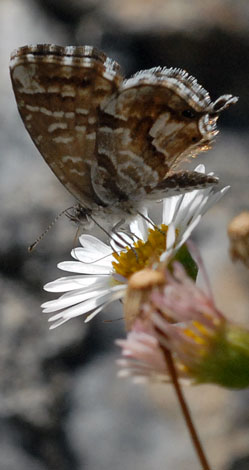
{"x":185,"y":411}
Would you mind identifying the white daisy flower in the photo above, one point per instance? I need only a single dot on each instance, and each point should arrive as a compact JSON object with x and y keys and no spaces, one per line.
{"x":102,"y":271}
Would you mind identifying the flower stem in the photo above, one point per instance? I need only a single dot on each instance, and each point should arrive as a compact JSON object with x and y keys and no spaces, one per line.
{"x":185,"y":410}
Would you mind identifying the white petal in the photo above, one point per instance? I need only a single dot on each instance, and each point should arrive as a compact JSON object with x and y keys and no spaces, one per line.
{"x":63,"y":304}
{"x":188,"y":232}
{"x":139,"y":226}
{"x":64,"y":284}
{"x":214,"y":198}
{"x":62,"y":320}
{"x":58,"y":304}
{"x":79,"y":267}
{"x":170,"y":207}
{"x":94,"y":244}
{"x":88,"y":305}
{"x":181,"y":239}
{"x":121,"y":240}
{"x":85,"y":256}
{"x":94,"y":313}
{"x":74,"y":297}
{"x":200,"y":168}
{"x":191,"y":205}
{"x":192,"y":211}
{"x":185,"y":203}
{"x":171,"y":236}
{"x":167,"y":254}
{"x":116,"y":296}
{"x":81,"y":308}
{"x":58,"y":323}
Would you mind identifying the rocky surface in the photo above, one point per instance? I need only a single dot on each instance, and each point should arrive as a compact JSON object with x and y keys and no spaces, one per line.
{"x":61,"y":405}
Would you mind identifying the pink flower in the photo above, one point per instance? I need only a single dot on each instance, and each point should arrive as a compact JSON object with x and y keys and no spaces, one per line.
{"x":179,"y":317}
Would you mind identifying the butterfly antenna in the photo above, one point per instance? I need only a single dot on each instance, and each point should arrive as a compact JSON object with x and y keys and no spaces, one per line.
{"x":37,"y":241}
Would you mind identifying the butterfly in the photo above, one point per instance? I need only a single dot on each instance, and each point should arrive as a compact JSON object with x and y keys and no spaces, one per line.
{"x":113,"y":143}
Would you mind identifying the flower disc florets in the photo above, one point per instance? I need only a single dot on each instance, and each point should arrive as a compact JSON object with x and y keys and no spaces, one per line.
{"x":142,"y":254}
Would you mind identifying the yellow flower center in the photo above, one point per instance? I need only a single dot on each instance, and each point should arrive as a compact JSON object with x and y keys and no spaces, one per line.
{"x":142,"y":254}
{"x":198,"y":334}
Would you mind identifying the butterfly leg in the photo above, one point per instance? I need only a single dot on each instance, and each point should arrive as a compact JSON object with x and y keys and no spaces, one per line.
{"x":148,"y":220}
{"x":121,"y":240}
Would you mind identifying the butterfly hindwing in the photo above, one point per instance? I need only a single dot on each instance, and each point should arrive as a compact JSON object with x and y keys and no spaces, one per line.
{"x":154,"y":121}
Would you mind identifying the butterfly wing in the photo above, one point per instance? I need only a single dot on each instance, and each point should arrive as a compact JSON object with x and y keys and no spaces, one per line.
{"x":182,"y":181}
{"x":155,"y":120}
{"x":58,"y":92}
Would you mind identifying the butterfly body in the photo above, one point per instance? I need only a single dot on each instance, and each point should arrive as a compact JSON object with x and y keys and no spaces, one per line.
{"x":113,"y":143}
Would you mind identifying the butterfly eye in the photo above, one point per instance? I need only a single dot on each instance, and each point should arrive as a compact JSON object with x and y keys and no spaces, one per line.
{"x":188,"y":113}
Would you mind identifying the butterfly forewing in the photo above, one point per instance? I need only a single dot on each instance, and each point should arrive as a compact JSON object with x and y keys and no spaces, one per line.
{"x":58,"y":92}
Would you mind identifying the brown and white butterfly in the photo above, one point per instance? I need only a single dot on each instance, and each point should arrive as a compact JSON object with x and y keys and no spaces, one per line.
{"x":113,"y":143}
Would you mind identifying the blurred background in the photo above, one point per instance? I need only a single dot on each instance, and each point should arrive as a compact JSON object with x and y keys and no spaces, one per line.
{"x":61,"y":404}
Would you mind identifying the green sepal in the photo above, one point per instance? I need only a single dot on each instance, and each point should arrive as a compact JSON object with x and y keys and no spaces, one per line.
{"x":227,"y":362}
{"x":184,"y":257}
